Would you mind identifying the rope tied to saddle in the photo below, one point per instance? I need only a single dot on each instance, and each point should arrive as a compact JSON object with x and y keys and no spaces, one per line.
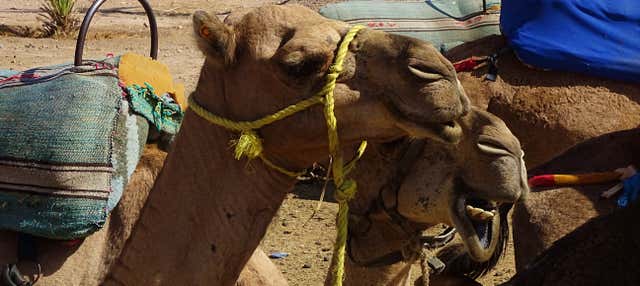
{"x":249,"y":144}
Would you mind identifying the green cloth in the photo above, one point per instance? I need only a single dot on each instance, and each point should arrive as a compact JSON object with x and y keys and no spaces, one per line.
{"x":161,"y":111}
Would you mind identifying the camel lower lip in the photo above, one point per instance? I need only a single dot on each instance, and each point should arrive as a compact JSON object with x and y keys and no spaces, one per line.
{"x":478,"y":235}
{"x":421,"y":127}
{"x":480,"y":213}
{"x":449,"y":132}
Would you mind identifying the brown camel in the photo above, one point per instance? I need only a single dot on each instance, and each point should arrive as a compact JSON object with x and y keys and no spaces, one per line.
{"x":286,"y":50}
{"x":602,"y":251}
{"x":550,"y":112}
{"x":103,"y":246}
{"x":549,"y":214}
{"x":208,"y":211}
{"x":471,"y":186}
{"x":564,"y":108}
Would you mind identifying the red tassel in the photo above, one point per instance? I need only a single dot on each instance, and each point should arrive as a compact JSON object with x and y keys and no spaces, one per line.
{"x":465,"y":65}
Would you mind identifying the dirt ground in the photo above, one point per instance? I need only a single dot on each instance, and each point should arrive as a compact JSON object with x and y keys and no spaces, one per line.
{"x":121,"y":27}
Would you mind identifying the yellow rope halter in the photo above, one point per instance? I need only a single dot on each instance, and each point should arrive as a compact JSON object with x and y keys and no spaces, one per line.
{"x":249,"y":144}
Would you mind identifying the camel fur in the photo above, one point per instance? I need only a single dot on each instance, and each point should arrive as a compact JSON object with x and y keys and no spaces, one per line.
{"x":601,"y":244}
{"x":426,"y":195}
{"x":549,"y":214}
{"x":207,"y":211}
{"x":549,"y":111}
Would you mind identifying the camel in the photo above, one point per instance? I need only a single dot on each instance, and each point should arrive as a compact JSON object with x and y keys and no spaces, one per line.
{"x":272,"y":57}
{"x":568,"y":107}
{"x":109,"y":240}
{"x":600,"y":252}
{"x":595,"y":251}
{"x":471,"y":186}
{"x":550,"y":214}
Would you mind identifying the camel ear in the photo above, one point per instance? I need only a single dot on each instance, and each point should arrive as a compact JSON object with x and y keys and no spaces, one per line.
{"x":216,"y":40}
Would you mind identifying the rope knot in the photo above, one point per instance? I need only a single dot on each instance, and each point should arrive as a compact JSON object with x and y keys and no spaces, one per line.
{"x":249,"y":144}
{"x":346,"y":191}
{"x":335,"y":69}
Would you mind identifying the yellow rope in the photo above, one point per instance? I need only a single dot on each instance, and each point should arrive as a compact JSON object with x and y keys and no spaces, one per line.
{"x":249,"y":144}
{"x":256,"y":124}
{"x":280,"y":169}
{"x":345,"y":189}
{"x":352,"y":164}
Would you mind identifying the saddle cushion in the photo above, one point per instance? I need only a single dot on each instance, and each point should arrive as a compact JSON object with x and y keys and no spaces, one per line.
{"x":445,"y":24}
{"x":70,"y":143}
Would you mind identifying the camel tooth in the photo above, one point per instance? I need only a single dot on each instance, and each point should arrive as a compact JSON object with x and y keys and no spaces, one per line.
{"x":479,"y":214}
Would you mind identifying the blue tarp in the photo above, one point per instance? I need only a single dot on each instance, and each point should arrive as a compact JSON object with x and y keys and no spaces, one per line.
{"x":597,"y":37}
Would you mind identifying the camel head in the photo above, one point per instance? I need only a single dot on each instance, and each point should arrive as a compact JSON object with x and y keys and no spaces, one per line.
{"x":471,"y":185}
{"x":275,"y":56}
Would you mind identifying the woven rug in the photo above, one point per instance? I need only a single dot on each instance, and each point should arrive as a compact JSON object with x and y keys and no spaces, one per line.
{"x":442,"y":23}
{"x":70,"y":143}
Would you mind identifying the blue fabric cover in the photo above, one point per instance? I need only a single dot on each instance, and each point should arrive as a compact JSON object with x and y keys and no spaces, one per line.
{"x":596,"y":37}
{"x":631,"y":191}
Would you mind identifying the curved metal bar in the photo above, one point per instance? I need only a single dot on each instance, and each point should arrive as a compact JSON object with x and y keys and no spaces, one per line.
{"x":82,"y":35}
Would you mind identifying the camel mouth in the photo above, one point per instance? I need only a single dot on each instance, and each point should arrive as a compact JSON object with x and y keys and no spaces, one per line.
{"x":421,"y":126}
{"x":447,"y":132}
{"x":481,"y":214}
{"x":478,"y":223}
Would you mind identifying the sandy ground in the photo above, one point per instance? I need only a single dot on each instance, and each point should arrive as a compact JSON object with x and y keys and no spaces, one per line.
{"x":122,"y":27}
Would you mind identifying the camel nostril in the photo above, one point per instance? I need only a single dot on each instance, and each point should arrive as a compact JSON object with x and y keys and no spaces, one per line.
{"x":466,"y":106}
{"x":450,"y":124}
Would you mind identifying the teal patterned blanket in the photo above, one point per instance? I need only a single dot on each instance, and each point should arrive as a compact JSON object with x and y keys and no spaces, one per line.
{"x":444,"y":23}
{"x":69,"y":144}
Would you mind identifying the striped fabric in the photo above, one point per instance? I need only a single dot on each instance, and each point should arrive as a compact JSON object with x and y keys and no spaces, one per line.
{"x":440,"y":22}
{"x":69,"y":145}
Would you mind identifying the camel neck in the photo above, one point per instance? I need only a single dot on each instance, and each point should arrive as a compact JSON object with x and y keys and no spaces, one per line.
{"x":205,"y":215}
{"x":380,"y":240}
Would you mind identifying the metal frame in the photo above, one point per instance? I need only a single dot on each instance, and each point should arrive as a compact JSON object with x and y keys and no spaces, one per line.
{"x":82,"y":35}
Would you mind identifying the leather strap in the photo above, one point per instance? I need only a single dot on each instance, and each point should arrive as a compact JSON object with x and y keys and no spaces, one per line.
{"x":387,"y":202}
{"x":385,"y":208}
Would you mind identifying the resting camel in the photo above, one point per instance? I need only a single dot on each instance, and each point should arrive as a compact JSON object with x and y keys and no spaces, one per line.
{"x":556,"y":212}
{"x":600,"y":251}
{"x":208,"y":211}
{"x":603,"y":251}
{"x":471,"y":186}
{"x":551,"y":111}
{"x":568,"y":107}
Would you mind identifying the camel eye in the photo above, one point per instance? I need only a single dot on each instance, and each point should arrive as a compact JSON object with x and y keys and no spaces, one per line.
{"x":298,"y":64}
{"x":492,"y":146}
{"x":424,"y":72}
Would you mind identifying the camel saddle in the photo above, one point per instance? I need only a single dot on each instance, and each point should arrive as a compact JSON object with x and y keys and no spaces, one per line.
{"x":72,"y":137}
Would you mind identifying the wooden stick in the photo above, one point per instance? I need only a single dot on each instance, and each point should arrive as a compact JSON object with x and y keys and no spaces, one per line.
{"x":556,"y":180}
